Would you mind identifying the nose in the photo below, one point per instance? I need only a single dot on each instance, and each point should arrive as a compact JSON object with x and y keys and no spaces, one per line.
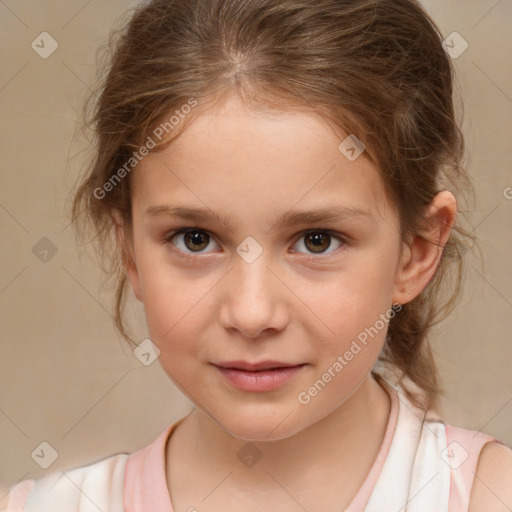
{"x":254,"y":299}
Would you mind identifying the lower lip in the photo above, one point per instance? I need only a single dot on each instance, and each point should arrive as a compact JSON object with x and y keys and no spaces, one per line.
{"x":265,"y":380}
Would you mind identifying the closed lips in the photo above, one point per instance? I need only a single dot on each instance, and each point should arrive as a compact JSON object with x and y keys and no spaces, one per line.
{"x":256,"y":367}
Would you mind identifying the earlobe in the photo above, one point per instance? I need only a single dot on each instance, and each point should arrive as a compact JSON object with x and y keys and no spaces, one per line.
{"x":125,"y":249}
{"x":421,"y":256}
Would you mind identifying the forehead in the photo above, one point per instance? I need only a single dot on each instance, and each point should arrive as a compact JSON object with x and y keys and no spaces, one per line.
{"x":230,"y":156}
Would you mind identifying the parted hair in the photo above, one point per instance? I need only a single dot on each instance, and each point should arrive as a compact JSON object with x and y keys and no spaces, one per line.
{"x":374,"y":68}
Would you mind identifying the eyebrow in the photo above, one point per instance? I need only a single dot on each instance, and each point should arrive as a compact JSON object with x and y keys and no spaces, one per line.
{"x":291,"y":218}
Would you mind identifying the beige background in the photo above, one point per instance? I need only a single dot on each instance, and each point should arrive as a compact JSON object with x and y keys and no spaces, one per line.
{"x":65,"y":376}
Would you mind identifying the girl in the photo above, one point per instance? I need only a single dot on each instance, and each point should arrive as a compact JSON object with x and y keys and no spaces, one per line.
{"x":279,"y":177}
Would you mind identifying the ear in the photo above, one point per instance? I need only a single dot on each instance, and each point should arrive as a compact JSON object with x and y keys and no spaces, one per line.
{"x":421,"y":256}
{"x":125,"y":248}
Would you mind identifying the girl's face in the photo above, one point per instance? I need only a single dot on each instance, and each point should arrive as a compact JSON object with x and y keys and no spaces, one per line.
{"x":255,"y":278}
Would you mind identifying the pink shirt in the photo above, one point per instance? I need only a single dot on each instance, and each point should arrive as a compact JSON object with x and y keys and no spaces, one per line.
{"x":146,"y":485}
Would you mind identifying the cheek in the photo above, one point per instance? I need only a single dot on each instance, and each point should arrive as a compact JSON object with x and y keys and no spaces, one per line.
{"x":346,"y":357}
{"x":174,"y":312}
{"x":177,"y":305}
{"x":354,"y":296}
{"x":164,"y":297}
{"x":173,"y":319}
{"x":354,"y":308}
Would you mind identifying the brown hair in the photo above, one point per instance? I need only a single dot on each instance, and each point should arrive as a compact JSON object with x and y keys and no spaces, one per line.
{"x":375,"y":68}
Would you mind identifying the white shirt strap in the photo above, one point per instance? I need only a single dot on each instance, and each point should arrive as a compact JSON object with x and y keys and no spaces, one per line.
{"x":97,"y":487}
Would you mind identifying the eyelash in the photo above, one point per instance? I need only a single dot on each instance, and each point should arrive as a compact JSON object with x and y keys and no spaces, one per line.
{"x":342,"y":239}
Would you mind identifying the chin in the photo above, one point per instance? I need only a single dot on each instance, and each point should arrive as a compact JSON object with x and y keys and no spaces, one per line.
{"x":257,"y":427}
{"x":256,"y":433}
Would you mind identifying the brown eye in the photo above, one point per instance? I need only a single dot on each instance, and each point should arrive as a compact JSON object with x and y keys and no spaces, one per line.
{"x":317,"y":242}
{"x":190,"y":240}
{"x":195,"y":240}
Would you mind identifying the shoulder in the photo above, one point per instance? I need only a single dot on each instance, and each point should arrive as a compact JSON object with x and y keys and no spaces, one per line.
{"x":62,"y":491}
{"x":492,"y":486}
{"x":16,"y":497}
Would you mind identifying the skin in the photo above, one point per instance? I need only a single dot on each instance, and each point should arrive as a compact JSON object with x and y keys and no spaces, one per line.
{"x":253,"y":166}
{"x":491,"y":488}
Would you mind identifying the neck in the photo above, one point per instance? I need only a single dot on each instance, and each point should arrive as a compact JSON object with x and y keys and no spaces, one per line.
{"x":344,"y":444}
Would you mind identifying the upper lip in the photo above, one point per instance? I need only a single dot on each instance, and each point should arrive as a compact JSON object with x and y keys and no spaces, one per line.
{"x":253,"y":367}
